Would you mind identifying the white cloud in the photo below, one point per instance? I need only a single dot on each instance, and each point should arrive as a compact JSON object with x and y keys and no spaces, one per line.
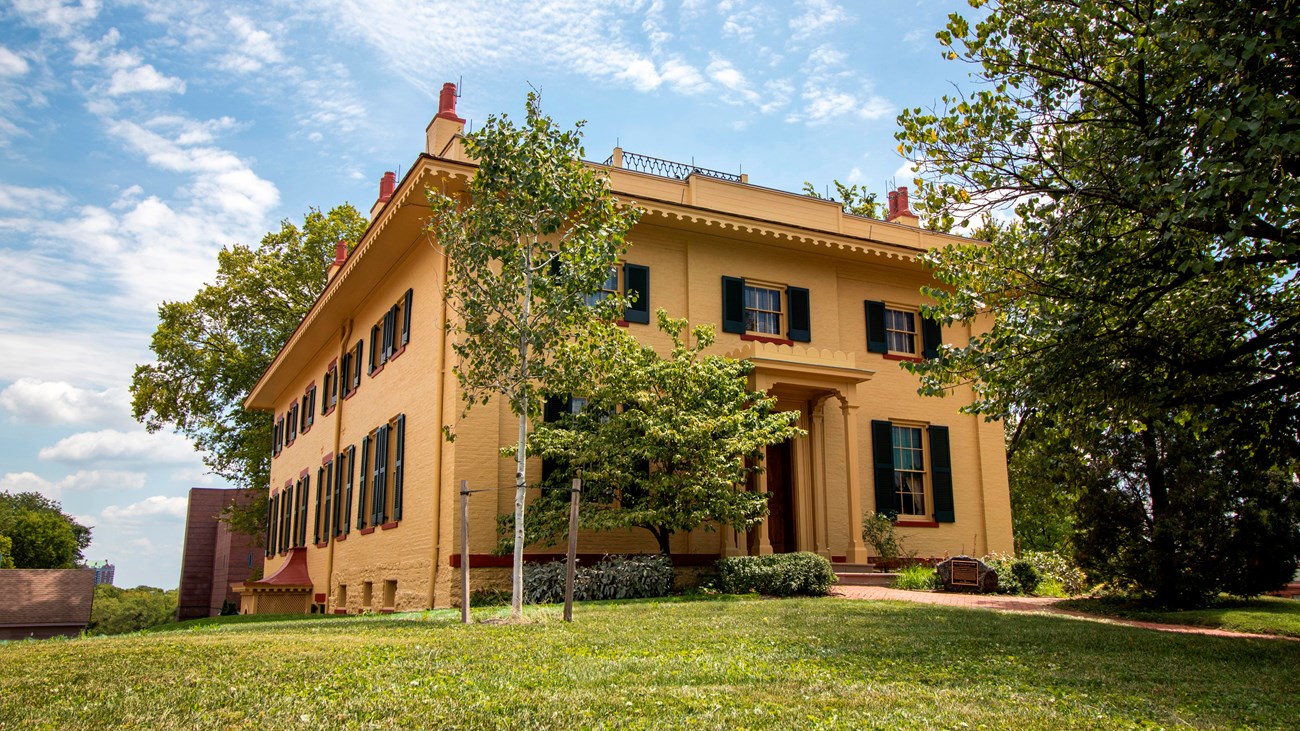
{"x":818,"y":15}
{"x":158,"y":506}
{"x":108,"y":445}
{"x":61,"y":18}
{"x":855,"y":175}
{"x":683,"y":77}
{"x":11,"y":64}
{"x":143,"y":78}
{"x":906,"y":173}
{"x":19,"y":198}
{"x":58,"y":402}
{"x":83,"y":481}
{"x":731,"y":78}
{"x":255,"y":48}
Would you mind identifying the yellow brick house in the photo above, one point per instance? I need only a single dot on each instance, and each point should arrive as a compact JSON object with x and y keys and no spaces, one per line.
{"x":365,"y":491}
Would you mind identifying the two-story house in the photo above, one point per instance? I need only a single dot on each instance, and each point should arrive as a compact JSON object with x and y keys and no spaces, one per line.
{"x":365,"y":489}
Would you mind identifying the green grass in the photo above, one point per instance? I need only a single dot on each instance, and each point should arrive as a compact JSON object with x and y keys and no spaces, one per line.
{"x":736,"y":663}
{"x":1264,"y":615}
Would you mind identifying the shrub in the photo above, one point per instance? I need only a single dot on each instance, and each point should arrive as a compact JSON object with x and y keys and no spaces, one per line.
{"x":917,"y":577}
{"x":878,"y":531}
{"x":1058,"y":568}
{"x":780,"y":574}
{"x":1015,"y":575}
{"x":614,"y":577}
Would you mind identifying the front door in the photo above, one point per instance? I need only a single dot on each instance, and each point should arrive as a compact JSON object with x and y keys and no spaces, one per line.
{"x":780,"y":498}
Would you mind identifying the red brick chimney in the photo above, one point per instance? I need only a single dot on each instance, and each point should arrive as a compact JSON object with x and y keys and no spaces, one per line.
{"x":898,"y":207}
{"x":447,"y":103}
{"x":386,"y":186}
{"x":340,"y":257}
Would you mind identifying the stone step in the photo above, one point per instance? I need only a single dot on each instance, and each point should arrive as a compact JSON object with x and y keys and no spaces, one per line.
{"x":865,"y":578}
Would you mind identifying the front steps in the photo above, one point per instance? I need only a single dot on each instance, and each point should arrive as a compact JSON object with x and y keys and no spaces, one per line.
{"x":862,"y":574}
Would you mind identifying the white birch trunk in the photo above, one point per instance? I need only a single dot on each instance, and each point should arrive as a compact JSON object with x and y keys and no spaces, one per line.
{"x":521,"y":454}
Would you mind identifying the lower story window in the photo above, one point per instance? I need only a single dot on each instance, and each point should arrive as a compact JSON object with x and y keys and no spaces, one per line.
{"x":909,"y":470}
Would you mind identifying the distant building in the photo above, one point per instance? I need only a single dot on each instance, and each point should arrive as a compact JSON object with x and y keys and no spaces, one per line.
{"x":41,"y":603}
{"x":103,"y":572}
{"x":214,"y":557}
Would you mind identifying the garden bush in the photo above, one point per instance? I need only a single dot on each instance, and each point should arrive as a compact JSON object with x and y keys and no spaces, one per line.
{"x":917,"y":577}
{"x":780,"y":574}
{"x":1015,"y":575}
{"x":1058,"y":568}
{"x":614,"y":577}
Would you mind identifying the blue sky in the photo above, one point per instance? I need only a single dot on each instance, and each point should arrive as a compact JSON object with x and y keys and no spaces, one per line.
{"x":139,"y":137}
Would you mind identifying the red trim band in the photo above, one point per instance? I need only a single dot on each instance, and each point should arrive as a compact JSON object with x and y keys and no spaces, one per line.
{"x":908,"y":358}
{"x":766,"y":339}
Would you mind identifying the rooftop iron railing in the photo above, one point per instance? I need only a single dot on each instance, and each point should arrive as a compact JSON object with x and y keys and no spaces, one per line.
{"x":668,"y":168}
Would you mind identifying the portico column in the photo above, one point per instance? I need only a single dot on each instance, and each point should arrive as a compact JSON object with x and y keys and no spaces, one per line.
{"x":729,"y":542}
{"x":857,"y":550}
{"x":817,"y":445}
{"x":764,"y":544}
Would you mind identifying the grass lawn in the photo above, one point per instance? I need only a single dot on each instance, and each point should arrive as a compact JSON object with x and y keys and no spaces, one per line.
{"x":743,"y":663}
{"x":1263,"y":615}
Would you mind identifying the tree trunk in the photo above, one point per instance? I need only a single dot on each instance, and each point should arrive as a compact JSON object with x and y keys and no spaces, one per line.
{"x":521,"y":453}
{"x":1165,"y":573}
{"x":663,"y":536}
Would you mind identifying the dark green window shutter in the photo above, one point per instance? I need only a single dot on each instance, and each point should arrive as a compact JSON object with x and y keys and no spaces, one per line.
{"x":330,"y":501}
{"x":380,"y":488}
{"x":800,"y":314}
{"x":636,"y":281}
{"x":357,"y":360}
{"x":376,"y":346}
{"x":406,"y":318}
{"x":270,"y":524}
{"x":931,"y":337}
{"x":876,"y":340}
{"x":365,"y":477}
{"x":733,"y":305}
{"x":347,"y":498}
{"x":941,"y":475}
{"x":882,"y":449}
{"x":320,"y":485}
{"x":302,"y":510}
{"x":399,"y":453}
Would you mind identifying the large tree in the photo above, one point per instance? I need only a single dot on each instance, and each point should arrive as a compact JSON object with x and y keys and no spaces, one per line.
{"x":661,"y":443}
{"x":1149,"y":152}
{"x":537,"y":235}
{"x":38,"y":534}
{"x":212,"y":348}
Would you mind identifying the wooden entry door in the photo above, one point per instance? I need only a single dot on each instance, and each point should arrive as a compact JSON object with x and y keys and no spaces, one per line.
{"x":780,"y":498}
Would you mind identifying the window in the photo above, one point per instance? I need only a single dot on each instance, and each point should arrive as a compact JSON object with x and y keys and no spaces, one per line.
{"x":330,"y":392}
{"x":325,"y":499}
{"x":389,"y":336}
{"x":390,"y":594}
{"x":304,"y":486}
{"x":759,"y":310}
{"x":366,"y":593}
{"x":277,"y":437}
{"x":342,"y":602}
{"x":762,"y":310}
{"x":308,"y":409}
{"x":350,"y":369}
{"x":900,"y":331}
{"x":343,"y":492}
{"x":892,"y":330}
{"x":379,"y":499}
{"x":909,"y":470}
{"x":292,"y":422}
{"x":913,"y":471}
{"x":270,"y":524}
{"x":608,"y":288}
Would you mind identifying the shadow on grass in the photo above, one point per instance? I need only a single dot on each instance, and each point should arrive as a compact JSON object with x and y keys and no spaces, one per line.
{"x":1263,"y":615}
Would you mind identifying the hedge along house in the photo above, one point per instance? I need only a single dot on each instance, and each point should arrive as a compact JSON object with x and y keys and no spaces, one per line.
{"x":365,"y":491}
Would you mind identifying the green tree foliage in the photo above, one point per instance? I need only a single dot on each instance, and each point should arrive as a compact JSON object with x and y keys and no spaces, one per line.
{"x":539,"y":232}
{"x":212,"y":349}
{"x":1042,"y":468}
{"x":130,"y":610}
{"x":853,"y":198}
{"x":39,"y":534}
{"x":663,"y":443}
{"x":1150,"y":152}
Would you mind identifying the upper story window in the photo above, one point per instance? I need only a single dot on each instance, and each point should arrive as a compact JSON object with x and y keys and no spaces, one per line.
{"x":350,"y":369}
{"x":308,"y":409}
{"x":389,"y":336}
{"x":766,"y":310}
{"x":330,"y":392}
{"x":291,"y":421}
{"x":609,"y":288}
{"x":763,"y":314}
{"x":277,"y":437}
{"x":900,"y":331}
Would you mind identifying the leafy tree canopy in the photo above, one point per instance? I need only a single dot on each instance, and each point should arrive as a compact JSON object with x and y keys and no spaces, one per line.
{"x":1142,"y":303}
{"x":38,"y":534}
{"x":538,"y":233}
{"x":853,"y":198}
{"x":116,"y":610}
{"x":212,"y":349}
{"x":662,"y":443}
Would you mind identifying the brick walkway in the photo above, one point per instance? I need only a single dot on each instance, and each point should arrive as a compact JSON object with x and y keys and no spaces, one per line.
{"x":1028,"y":604}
